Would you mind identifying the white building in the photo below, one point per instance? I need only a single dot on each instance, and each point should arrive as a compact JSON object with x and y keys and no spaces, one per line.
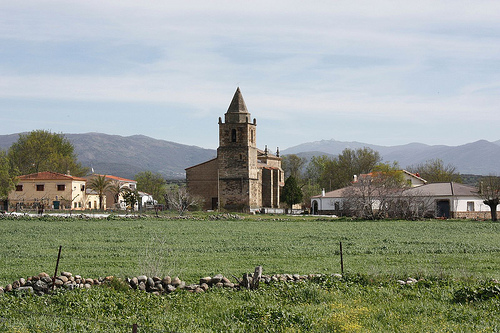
{"x":446,"y":200}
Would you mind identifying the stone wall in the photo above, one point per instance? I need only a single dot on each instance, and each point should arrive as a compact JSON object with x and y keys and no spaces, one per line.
{"x":42,"y":283}
{"x":473,"y":215}
{"x":202,"y":181}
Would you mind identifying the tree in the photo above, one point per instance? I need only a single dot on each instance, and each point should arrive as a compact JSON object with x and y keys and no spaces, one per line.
{"x":489,"y":190}
{"x":434,"y":171}
{"x":374,"y":194}
{"x":178,"y":198}
{"x":7,"y":176}
{"x":291,"y":193}
{"x":42,"y":150}
{"x":292,"y":165}
{"x":308,"y":191}
{"x":152,"y":183}
{"x":319,"y":171}
{"x":100,"y":184}
{"x":115,"y":188}
{"x":337,"y":172}
{"x":131,"y":197}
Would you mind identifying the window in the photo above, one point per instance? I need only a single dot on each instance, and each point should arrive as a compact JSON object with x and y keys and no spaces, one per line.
{"x":233,"y":135}
{"x":19,"y":188}
{"x":61,"y":187}
{"x":40,"y":187}
{"x":132,"y":187}
{"x":75,"y":204}
{"x":470,"y":206}
{"x":90,"y":204}
{"x":82,"y":188}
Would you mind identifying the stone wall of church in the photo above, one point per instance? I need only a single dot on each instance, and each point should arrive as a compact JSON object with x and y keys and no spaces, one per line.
{"x":267,"y":189}
{"x":202,"y":181}
{"x":234,"y":194}
{"x":277,"y":181}
{"x":256,"y":192}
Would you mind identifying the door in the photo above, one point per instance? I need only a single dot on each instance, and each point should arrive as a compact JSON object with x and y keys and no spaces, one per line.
{"x":315,"y":207}
{"x":443,"y":208}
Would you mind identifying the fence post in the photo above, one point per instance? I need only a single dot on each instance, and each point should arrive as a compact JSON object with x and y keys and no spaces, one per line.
{"x":134,"y":328}
{"x":57,"y":266}
{"x":341,"y":260}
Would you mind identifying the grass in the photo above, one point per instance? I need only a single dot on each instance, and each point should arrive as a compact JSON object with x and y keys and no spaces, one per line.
{"x":194,"y":248}
{"x":325,"y":306}
{"x":447,"y":254}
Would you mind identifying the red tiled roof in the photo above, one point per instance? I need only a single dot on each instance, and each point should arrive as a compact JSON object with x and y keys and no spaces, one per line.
{"x":118,"y":178}
{"x":48,"y":175}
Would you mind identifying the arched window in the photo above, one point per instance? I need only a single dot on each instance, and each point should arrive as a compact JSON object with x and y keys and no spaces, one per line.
{"x":233,"y":135}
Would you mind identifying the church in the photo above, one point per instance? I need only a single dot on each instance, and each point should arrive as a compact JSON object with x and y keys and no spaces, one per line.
{"x":242,"y":177}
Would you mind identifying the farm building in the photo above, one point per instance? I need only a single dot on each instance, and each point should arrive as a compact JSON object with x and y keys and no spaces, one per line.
{"x":446,"y":200}
{"x":50,"y":189}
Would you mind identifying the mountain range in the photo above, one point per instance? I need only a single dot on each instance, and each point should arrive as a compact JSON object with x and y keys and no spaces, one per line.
{"x":127,"y":156}
{"x":479,"y":158}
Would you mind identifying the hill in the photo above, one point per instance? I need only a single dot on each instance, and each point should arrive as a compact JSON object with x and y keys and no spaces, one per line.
{"x":479,"y":158}
{"x":127,"y":156}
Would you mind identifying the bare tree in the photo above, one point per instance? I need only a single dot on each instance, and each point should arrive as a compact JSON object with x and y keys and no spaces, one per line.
{"x":489,"y":190}
{"x":180,"y":200}
{"x":434,"y":171}
{"x":360,"y":199}
{"x":385,"y":195}
{"x":411,"y":204}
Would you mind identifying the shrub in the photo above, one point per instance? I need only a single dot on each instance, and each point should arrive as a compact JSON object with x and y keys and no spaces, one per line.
{"x":484,"y":292}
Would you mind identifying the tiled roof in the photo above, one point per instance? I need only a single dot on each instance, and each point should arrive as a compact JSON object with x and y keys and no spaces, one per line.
{"x":48,"y":175}
{"x":443,"y":189}
{"x":333,"y":194}
{"x":118,"y":178}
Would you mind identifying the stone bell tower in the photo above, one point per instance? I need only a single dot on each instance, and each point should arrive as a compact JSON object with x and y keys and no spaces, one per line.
{"x":238,"y":186}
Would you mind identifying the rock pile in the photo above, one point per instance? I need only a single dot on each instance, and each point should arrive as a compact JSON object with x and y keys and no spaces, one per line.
{"x":43,"y":284}
{"x":226,"y":216}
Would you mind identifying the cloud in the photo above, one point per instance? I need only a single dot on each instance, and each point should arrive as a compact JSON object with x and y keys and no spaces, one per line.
{"x":341,"y":60}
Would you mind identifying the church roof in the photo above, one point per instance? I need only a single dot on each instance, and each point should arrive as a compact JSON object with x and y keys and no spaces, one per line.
{"x":237,"y":104}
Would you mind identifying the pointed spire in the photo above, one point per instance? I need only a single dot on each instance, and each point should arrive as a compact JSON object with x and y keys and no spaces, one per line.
{"x":237,"y":111}
{"x":237,"y":104}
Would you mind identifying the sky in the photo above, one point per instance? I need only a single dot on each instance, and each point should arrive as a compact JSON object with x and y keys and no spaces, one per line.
{"x":379,"y":72}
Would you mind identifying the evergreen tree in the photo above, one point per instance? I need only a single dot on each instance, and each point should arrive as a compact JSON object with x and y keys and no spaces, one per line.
{"x":291,"y":194}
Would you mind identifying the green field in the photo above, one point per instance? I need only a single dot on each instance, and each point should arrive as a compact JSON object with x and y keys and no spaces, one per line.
{"x":194,"y":248}
{"x":448,"y":255}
